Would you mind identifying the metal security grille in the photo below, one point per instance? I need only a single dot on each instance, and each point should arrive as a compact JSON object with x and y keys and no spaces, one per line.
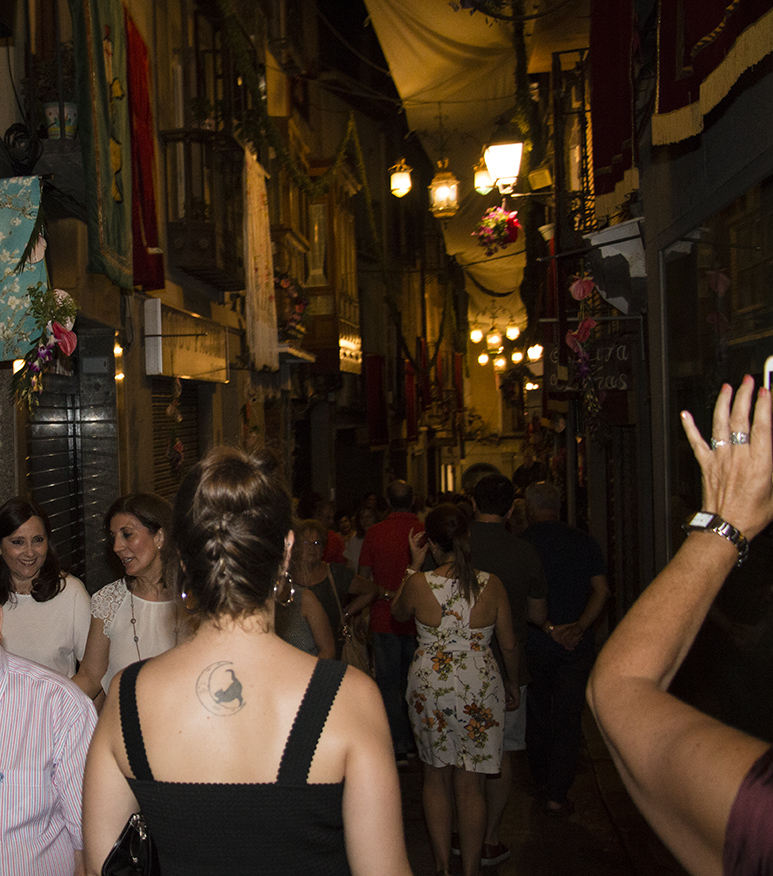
{"x":166,"y":431}
{"x":53,"y":467}
{"x":623,"y":523}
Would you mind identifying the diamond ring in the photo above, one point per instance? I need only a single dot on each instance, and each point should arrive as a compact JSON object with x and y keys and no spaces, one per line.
{"x":718,"y":442}
{"x":739,"y":437}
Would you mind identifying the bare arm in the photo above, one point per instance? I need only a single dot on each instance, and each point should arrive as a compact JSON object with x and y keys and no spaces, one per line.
{"x":683,"y":769}
{"x":364,"y":591}
{"x":107,"y":799}
{"x":536,"y":611}
{"x":95,"y":659}
{"x":373,"y":822}
{"x":507,"y":641}
{"x":319,"y":625}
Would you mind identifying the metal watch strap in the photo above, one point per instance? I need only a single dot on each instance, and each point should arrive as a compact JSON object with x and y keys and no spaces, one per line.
{"x":704,"y":521}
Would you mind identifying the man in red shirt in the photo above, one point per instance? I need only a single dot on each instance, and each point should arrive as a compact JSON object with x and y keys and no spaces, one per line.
{"x":384,"y":558}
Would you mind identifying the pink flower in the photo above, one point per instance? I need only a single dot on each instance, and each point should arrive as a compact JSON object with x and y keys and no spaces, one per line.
{"x":67,"y":340}
{"x":582,"y":287}
{"x":577,"y":338}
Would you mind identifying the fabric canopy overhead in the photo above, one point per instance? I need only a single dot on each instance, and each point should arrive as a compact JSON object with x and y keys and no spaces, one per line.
{"x":462,"y":67}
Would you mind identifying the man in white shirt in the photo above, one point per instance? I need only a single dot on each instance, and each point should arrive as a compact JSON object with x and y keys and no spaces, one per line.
{"x":46,"y":724}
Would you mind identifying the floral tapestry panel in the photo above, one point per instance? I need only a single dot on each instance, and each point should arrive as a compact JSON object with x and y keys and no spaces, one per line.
{"x":260,"y":304}
{"x":19,"y":204}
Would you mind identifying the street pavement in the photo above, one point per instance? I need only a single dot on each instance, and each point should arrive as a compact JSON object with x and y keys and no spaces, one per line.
{"x":606,"y":835}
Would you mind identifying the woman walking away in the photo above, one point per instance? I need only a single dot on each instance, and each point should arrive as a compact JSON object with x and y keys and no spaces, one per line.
{"x":244,"y":754}
{"x":705,"y":787}
{"x":455,"y":693}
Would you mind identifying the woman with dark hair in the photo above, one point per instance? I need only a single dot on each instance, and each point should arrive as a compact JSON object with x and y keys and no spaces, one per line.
{"x":136,"y":616}
{"x":45,"y":611}
{"x":455,"y":695}
{"x":244,"y":754}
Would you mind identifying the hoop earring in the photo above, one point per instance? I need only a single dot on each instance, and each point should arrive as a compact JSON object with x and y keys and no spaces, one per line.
{"x":289,"y":581}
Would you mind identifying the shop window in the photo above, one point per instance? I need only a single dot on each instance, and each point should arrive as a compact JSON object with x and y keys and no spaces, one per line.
{"x":719,"y":322}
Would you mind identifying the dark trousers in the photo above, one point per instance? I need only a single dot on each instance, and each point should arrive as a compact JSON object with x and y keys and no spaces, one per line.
{"x":392,"y":655}
{"x":554,"y":704}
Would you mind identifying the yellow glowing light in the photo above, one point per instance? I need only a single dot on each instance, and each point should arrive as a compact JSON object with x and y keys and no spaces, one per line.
{"x":517,"y":356}
{"x":494,"y":338}
{"x":531,"y":385}
{"x":534,"y":353}
{"x":512,"y":332}
{"x":500,"y":363}
{"x":18,"y":364}
{"x":118,"y":350}
{"x":476,"y":336}
{"x":119,"y":375}
{"x":483,"y":359}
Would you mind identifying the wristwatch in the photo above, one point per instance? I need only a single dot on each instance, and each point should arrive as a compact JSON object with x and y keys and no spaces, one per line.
{"x":708,"y":522}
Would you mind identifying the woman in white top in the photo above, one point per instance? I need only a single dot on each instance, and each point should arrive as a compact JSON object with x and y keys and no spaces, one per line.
{"x":137,"y":616}
{"x":46,"y":612}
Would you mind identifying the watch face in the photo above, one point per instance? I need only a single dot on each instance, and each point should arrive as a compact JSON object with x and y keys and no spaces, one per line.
{"x":701,"y":519}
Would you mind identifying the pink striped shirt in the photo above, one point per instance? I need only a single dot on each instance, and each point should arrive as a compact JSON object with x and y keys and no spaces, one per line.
{"x":46,"y":724}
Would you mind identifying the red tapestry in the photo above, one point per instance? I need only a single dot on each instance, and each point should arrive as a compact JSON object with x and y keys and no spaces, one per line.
{"x":612,"y":112}
{"x":148,"y":262}
{"x":703,"y":47}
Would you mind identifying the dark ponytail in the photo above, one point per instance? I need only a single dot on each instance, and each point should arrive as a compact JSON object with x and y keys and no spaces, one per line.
{"x":447,"y":526}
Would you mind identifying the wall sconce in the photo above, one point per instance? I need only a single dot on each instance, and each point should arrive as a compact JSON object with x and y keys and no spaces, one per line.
{"x":512,"y":332}
{"x":503,"y":158}
{"x":483,"y":182}
{"x":476,"y":336}
{"x":400,"y":178}
{"x":534,"y":353}
{"x":444,"y":192}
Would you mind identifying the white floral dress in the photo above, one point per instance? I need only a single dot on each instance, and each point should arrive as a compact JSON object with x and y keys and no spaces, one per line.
{"x":456,"y":698}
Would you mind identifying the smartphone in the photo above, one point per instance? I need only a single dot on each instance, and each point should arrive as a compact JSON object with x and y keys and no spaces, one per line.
{"x":768,"y":371}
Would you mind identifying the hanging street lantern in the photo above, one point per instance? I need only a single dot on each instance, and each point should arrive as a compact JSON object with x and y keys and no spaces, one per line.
{"x":444,"y":192}
{"x":400,"y":178}
{"x":483,"y":182}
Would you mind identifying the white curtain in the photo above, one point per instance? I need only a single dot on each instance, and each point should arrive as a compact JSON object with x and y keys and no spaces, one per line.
{"x":260,"y":307}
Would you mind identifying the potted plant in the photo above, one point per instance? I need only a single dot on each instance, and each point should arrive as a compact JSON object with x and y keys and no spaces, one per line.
{"x":47,"y":91}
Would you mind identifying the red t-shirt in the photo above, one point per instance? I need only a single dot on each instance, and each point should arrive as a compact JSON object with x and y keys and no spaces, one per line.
{"x":334,"y":548}
{"x":385,"y":551}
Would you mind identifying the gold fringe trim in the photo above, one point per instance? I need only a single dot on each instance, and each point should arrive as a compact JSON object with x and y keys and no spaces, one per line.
{"x":749,"y":49}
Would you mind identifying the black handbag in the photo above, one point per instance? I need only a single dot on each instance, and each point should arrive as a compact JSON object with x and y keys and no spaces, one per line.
{"x":133,"y":853}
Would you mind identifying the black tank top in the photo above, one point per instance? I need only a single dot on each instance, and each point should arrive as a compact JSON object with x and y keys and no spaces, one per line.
{"x":285,"y":828}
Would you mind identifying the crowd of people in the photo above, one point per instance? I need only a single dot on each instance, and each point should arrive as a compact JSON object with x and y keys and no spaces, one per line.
{"x":227,"y":633}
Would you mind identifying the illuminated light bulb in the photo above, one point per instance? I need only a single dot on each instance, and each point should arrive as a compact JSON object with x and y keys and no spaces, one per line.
{"x":118,"y":350}
{"x":500,"y":363}
{"x":517,"y":356}
{"x":494,"y":338}
{"x":531,"y":385}
{"x":534,"y":353}
{"x":512,"y":332}
{"x":476,"y":336}
{"x":483,"y":359}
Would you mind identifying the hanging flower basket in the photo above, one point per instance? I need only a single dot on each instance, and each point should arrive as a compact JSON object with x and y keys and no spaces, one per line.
{"x":54,"y":312}
{"x":291,"y":305}
{"x":497,"y":230}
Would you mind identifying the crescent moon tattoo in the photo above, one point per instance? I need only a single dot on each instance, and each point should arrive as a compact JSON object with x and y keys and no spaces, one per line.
{"x":219,"y":690}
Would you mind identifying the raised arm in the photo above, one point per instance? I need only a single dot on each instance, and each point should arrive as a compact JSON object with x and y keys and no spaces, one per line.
{"x":684,"y":769}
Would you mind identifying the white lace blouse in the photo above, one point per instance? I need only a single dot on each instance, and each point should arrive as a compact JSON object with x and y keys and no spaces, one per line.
{"x":156,"y":626}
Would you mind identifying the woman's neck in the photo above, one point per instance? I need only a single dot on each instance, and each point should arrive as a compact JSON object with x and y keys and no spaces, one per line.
{"x":150,"y":586}
{"x":24,"y":586}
